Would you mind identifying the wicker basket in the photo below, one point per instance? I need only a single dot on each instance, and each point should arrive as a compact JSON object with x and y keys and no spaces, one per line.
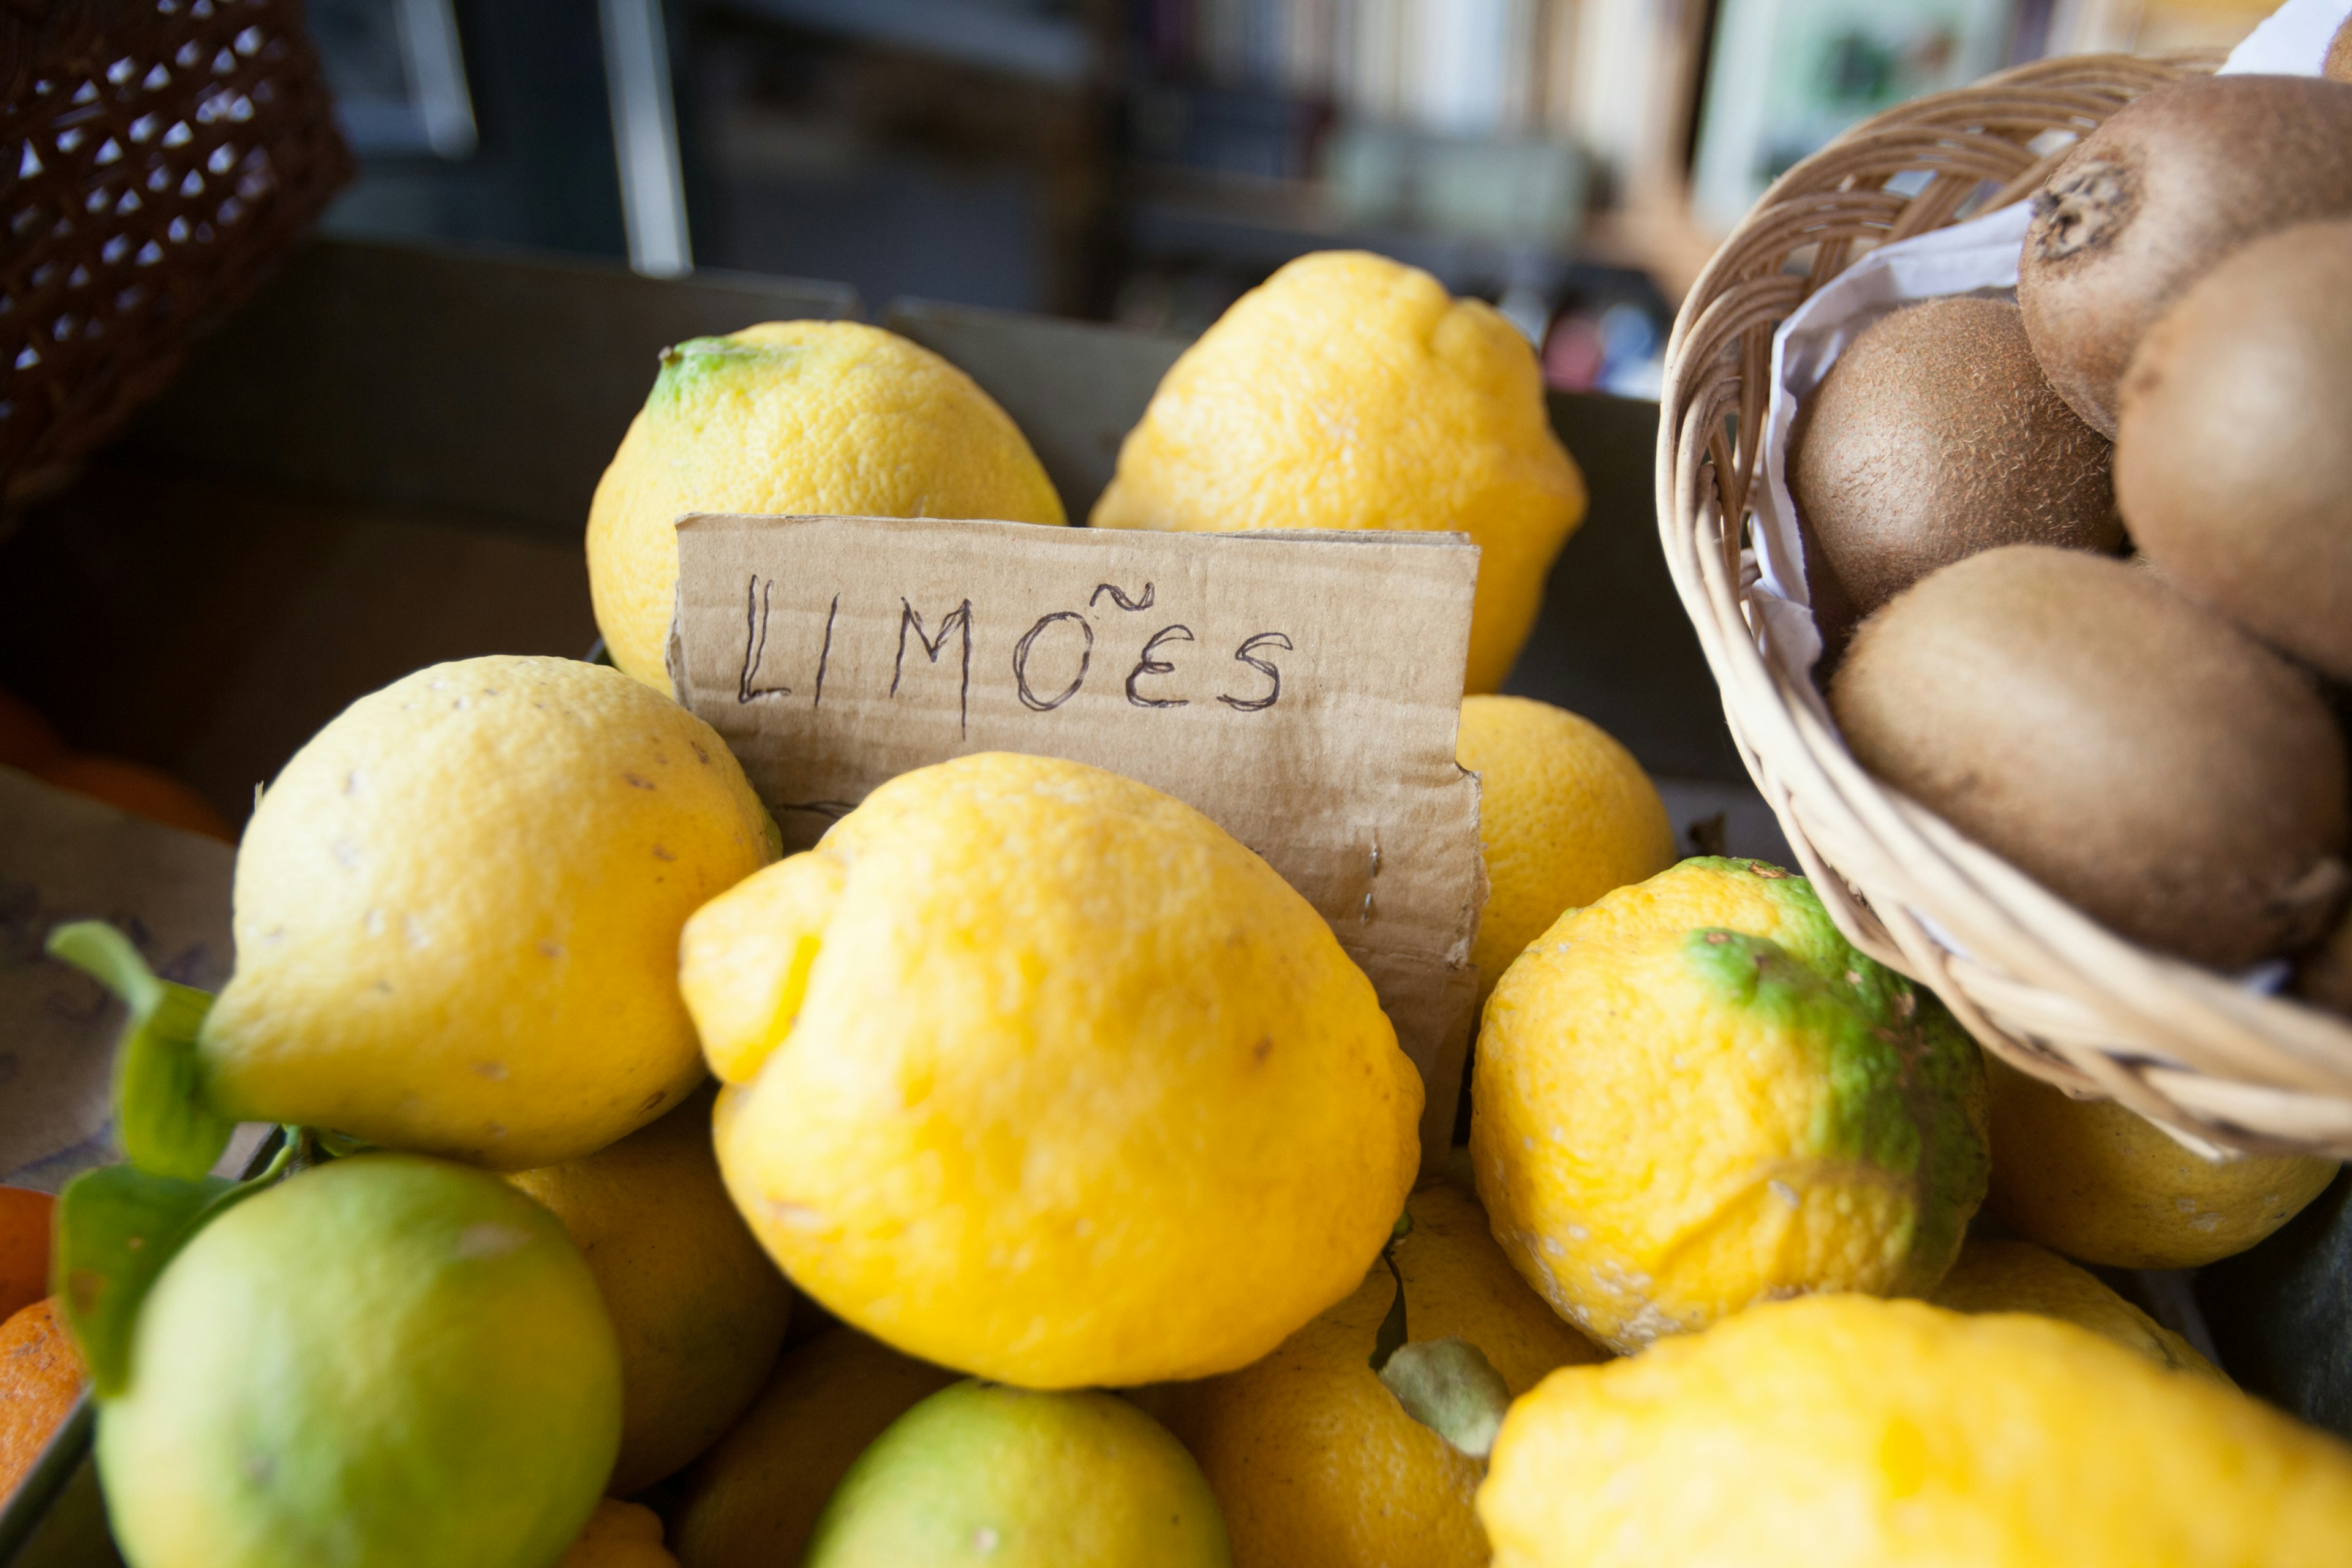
{"x":155,"y":157}
{"x":2040,"y":983}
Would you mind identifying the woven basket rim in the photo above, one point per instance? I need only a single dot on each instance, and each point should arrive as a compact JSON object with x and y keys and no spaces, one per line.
{"x":2043,"y":987}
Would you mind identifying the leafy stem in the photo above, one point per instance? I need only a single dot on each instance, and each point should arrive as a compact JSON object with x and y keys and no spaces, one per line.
{"x":166,"y":1126}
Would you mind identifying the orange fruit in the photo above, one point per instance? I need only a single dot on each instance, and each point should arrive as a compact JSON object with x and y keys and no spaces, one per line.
{"x":40,"y":1378}
{"x":138,"y":789}
{"x":27,"y":741}
{"x":25,"y":1217}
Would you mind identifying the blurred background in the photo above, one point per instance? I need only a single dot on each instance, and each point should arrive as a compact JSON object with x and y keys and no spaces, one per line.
{"x":1147,"y":161}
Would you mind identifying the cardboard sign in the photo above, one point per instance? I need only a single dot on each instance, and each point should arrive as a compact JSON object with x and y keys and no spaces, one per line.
{"x":1301,"y":689}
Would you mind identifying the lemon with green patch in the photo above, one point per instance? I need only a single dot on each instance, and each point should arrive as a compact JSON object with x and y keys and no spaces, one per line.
{"x":788,"y":419}
{"x":385,"y":1362}
{"x":1694,"y":1095}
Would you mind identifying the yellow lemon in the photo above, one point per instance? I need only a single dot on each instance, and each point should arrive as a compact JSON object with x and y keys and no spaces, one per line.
{"x":1060,"y":1084}
{"x":2019,"y":1277}
{"x":793,"y":417}
{"x":752,"y":1499}
{"x":1315,"y":1463}
{"x":2092,"y":1180}
{"x":620,"y":1535}
{"x":458,"y":911}
{"x":1694,"y":1095}
{"x":1843,"y":1432}
{"x":386,"y":1361}
{"x":1351,"y":392}
{"x":699,"y":1309}
{"x":1565,"y":815}
{"x":980,"y":1473}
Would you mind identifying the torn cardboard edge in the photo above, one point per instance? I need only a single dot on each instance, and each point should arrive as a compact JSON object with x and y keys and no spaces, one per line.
{"x":1303,"y":691}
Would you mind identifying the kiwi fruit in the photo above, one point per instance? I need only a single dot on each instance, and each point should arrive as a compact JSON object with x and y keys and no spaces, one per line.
{"x":2337,"y":67}
{"x":2174,"y":181}
{"x":2123,"y":745}
{"x":1934,"y":435}
{"x":2233,"y":453}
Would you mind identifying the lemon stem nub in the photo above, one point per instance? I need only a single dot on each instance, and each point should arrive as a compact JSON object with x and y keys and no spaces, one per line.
{"x":1449,"y":1386}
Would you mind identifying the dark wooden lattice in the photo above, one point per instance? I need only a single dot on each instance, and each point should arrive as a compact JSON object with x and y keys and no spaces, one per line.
{"x":156,"y":157}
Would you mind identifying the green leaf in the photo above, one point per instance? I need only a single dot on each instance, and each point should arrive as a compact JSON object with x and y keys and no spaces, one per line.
{"x":1391,"y":1333}
{"x":117,"y":1226}
{"x":160,"y":1115}
{"x":1449,"y":1386}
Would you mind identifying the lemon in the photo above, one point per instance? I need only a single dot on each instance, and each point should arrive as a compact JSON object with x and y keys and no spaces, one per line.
{"x":1843,"y":1432}
{"x":1060,"y":1085}
{"x":458,"y":911}
{"x":385,"y":1362}
{"x":2097,"y":1182}
{"x":1012,"y":1479}
{"x":1315,"y":1462}
{"x":752,"y":1499}
{"x":1351,"y":392}
{"x":620,"y":1535}
{"x":1694,"y":1094}
{"x":2019,"y":1277}
{"x":791,"y":419}
{"x":700,"y":1310}
{"x":1565,"y":815}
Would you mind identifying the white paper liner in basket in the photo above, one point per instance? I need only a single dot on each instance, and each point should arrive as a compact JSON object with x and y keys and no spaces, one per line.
{"x":2025,"y":995}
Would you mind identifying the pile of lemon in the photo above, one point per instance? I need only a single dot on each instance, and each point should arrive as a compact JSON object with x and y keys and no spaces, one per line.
{"x":1089,"y":1156}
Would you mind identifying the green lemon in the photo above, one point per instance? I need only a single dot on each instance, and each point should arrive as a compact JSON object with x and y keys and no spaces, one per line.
{"x":981,"y":1473}
{"x":387,"y":1362}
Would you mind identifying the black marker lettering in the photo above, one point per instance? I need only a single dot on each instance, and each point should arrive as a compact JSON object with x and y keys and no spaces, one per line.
{"x":826,"y":653}
{"x":1148,"y":665}
{"x":1242,"y":654}
{"x":960,"y":615}
{"x":1029,"y":699}
{"x":755,"y":642}
{"x":1121,"y":600}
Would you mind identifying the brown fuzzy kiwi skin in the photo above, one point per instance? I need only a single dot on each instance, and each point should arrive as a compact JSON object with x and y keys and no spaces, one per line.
{"x":1935,"y":435}
{"x":2234,"y":460}
{"x":2126,"y":748}
{"x":2337,"y":67}
{"x":2174,"y":181}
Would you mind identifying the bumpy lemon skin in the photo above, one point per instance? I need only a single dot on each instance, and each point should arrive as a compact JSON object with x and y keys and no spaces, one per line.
{"x":792,"y":419}
{"x":2019,"y":1277}
{"x":1351,"y":392}
{"x":1078,"y":1091}
{"x":1312,"y":1459}
{"x":1565,"y":815}
{"x":385,"y":1362}
{"x":1694,"y":1095}
{"x":1846,"y":1432}
{"x":699,"y":1309}
{"x":978,"y":1473}
{"x":2097,"y":1182}
{"x":456,"y":914}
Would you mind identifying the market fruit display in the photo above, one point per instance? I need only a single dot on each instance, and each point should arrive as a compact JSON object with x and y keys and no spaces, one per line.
{"x":1694,"y":1095}
{"x":2131,"y":751}
{"x":2102,"y":1184}
{"x":2160,"y":192}
{"x":387,"y":1359}
{"x":794,"y":419}
{"x":1934,"y":436}
{"x":1058,"y":1083}
{"x":980,"y":1472}
{"x":753,"y":1498}
{"x":1315,"y":1462}
{"x":1565,"y":815}
{"x":700,"y":1310}
{"x":1351,"y":392}
{"x":2019,"y":1277}
{"x":458,"y":911}
{"x":1844,"y":1432}
{"x":2230,"y":454}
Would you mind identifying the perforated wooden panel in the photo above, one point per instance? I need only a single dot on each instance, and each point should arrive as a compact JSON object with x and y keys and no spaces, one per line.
{"x":155,"y":157}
